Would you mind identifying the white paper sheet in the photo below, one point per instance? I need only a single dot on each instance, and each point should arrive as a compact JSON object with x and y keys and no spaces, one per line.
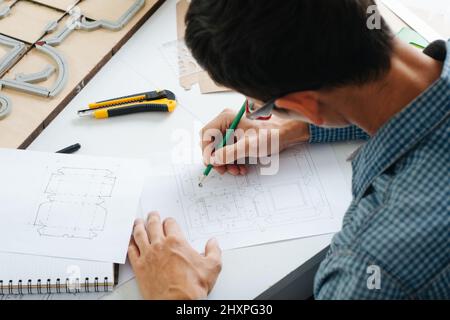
{"x":68,"y":206}
{"x":307,"y":197}
{"x":429,"y":18}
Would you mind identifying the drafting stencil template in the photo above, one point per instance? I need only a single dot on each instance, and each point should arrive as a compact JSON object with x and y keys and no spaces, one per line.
{"x":76,"y":205}
{"x":179,"y":58}
{"x":308,"y":196}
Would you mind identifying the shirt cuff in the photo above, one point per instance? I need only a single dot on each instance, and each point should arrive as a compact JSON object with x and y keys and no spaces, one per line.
{"x":324,"y":135}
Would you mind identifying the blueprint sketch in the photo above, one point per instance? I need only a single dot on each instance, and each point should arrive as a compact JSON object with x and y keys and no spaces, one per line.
{"x":308,"y":196}
{"x":76,"y":205}
{"x":68,"y":206}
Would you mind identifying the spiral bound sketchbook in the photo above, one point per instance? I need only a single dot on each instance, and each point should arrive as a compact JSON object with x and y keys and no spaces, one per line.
{"x":25,"y":274}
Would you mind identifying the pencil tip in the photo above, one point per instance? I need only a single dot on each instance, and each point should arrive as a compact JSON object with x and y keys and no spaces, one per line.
{"x":200,"y":182}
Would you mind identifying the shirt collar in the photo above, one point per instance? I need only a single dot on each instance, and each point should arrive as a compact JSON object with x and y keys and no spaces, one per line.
{"x":403,"y":132}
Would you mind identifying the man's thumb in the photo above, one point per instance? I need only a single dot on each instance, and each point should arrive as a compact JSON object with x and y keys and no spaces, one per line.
{"x":212,"y":250}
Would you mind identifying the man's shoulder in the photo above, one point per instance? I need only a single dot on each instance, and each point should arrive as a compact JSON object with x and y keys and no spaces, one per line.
{"x":422,"y":173}
{"x":354,"y":274}
{"x":401,"y":225}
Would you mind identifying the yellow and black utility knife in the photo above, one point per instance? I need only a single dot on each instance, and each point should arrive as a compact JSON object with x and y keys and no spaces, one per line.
{"x":153,"y":101}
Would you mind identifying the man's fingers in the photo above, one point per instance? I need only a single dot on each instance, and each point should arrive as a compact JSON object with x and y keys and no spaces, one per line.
{"x":213,"y":252}
{"x":171,"y":228}
{"x":154,"y":227}
{"x":221,"y":169}
{"x":243,"y":170}
{"x":233,"y":169}
{"x":208,"y":151}
{"x":133,"y":252}
{"x":212,"y":133}
{"x":230,"y":153}
{"x":140,"y":235}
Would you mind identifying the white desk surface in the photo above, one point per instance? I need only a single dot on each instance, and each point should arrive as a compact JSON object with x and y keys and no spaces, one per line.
{"x":141,"y":66}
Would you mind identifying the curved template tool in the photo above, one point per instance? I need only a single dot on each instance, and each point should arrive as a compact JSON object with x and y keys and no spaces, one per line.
{"x":17,"y":50}
{"x":5,"y":106}
{"x":84,"y":24}
{"x":28,"y":82}
{"x":110,"y":25}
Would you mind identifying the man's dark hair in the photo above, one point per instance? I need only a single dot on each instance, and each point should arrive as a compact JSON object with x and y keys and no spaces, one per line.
{"x":269,"y":48}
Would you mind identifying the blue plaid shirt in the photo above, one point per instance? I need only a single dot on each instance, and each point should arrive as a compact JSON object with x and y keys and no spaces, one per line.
{"x":395,"y":239}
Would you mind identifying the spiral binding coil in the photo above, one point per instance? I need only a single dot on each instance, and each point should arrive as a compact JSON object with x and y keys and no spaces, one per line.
{"x":48,"y":287}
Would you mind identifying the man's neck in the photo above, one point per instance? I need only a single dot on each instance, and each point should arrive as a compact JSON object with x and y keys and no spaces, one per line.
{"x":371,"y":106}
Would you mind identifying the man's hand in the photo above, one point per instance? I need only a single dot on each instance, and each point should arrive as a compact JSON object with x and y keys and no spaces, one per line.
{"x":166,"y":266}
{"x":253,"y":140}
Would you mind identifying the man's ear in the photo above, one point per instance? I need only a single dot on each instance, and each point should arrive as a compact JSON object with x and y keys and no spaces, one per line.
{"x":305,"y":103}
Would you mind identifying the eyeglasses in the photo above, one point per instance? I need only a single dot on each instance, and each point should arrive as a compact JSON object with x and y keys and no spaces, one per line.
{"x":262,"y":113}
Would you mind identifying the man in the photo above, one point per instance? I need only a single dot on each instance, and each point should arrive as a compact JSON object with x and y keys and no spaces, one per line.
{"x":317,"y":64}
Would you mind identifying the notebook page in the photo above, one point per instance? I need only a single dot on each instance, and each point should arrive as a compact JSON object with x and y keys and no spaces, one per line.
{"x":34,"y":269}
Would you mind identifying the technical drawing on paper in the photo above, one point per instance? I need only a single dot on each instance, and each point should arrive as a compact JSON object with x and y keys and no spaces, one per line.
{"x":254,"y":202}
{"x":75,"y":203}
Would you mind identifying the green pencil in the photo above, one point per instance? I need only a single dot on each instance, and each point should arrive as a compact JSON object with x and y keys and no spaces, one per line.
{"x":224,"y":142}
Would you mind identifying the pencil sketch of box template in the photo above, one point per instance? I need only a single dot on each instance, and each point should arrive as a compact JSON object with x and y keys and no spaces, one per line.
{"x":75,"y":205}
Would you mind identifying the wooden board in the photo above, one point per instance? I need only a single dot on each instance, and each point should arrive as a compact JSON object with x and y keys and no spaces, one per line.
{"x":27,"y":21}
{"x":95,"y":9}
{"x":64,"y":5}
{"x":85,"y":52}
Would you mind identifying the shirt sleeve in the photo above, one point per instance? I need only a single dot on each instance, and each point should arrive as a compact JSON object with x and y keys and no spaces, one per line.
{"x":347,"y":276}
{"x":323,"y":135}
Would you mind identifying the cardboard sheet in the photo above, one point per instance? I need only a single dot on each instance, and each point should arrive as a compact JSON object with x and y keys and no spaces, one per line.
{"x":64,"y":5}
{"x":201,"y":77}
